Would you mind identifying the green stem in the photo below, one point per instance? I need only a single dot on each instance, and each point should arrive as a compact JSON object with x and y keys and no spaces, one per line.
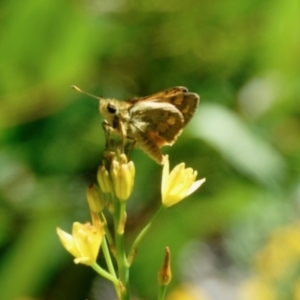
{"x":108,"y":257}
{"x":162,"y":292}
{"x":105,"y":274}
{"x":123,"y":266}
{"x":110,"y":265}
{"x":107,"y":232}
{"x":143,"y":233}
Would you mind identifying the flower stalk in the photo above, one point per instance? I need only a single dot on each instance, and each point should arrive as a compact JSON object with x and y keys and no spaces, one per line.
{"x":123,"y":266}
{"x":143,"y":233}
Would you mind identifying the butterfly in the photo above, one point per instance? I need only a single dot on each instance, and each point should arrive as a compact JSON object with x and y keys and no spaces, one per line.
{"x":152,"y":121}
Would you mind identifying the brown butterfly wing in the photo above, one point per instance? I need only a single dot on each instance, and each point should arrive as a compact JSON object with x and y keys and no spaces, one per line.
{"x":148,"y":143}
{"x":164,"y":119}
{"x":185,"y":102}
{"x":158,"y":119}
{"x":153,"y":125}
{"x":180,"y":97}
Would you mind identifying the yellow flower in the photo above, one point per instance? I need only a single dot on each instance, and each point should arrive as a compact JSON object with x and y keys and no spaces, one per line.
{"x":122,"y":174}
{"x":178,"y":184}
{"x":278,"y":258}
{"x":85,"y":241}
{"x":258,"y":288}
{"x":188,"y":291}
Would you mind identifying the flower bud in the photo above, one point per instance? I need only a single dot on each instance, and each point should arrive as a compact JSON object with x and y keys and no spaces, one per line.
{"x":104,"y":180}
{"x":94,"y":198}
{"x":122,"y":174}
{"x":165,"y":274}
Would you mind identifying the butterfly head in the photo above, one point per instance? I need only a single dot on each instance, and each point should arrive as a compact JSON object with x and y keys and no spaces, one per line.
{"x":108,"y":109}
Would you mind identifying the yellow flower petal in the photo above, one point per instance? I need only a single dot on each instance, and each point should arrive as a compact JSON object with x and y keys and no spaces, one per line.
{"x":67,"y":241}
{"x":165,"y":173}
{"x":195,"y":186}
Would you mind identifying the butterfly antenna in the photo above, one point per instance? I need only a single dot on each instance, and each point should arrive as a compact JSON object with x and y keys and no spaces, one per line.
{"x":76,"y":88}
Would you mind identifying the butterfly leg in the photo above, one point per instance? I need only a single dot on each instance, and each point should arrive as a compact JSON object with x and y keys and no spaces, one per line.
{"x":107,"y":129}
{"x":110,"y":143}
{"x":123,"y":136}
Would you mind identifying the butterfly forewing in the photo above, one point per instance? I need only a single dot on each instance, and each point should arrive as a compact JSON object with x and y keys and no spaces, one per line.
{"x":162,"y":94}
{"x":183,"y":100}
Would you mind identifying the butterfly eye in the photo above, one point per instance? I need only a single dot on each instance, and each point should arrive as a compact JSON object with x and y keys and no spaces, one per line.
{"x":112,"y":109}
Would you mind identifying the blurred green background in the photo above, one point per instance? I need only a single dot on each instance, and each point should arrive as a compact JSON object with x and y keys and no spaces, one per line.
{"x":241,"y":57}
